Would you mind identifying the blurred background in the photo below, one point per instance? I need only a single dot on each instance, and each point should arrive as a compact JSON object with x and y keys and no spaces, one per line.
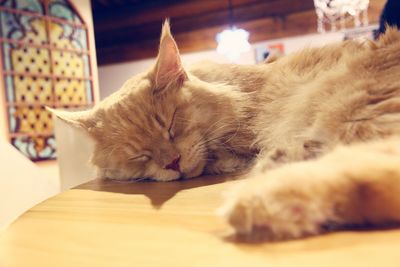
{"x":70,"y":54}
{"x":127,"y":32}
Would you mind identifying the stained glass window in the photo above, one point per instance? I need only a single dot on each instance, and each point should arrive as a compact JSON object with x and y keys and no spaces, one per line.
{"x":45,"y":62}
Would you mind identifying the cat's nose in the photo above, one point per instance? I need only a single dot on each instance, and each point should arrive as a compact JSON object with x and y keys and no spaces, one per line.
{"x":174,"y":165}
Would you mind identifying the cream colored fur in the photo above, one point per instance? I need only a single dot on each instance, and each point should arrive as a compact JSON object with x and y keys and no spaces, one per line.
{"x":335,"y":110}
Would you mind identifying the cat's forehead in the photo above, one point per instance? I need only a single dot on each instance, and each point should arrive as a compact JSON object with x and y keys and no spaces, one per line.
{"x":136,"y":111}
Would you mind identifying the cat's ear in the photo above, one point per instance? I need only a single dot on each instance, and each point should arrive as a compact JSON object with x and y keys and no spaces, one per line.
{"x":168,"y":71}
{"x":78,"y":119}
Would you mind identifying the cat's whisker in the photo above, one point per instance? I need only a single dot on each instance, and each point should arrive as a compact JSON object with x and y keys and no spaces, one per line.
{"x":220,"y":137}
{"x":223,"y":127}
{"x":140,"y":179}
{"x":211,"y":131}
{"x":233,"y":135}
{"x":227,"y":124}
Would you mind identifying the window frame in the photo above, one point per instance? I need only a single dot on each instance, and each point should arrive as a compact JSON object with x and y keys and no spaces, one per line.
{"x":49,"y":46}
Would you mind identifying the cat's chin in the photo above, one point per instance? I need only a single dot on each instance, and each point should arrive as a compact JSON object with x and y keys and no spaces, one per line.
{"x":167,"y":177}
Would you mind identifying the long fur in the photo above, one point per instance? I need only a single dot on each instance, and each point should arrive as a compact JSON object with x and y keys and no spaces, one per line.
{"x":334,"y":110}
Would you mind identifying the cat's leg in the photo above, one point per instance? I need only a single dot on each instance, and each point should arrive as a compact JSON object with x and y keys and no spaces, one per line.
{"x":357,"y":184}
{"x":303,"y":150}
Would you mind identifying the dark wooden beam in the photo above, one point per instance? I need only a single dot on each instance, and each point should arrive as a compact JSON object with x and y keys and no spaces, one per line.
{"x":204,"y":39}
{"x":155,"y":10}
{"x":138,"y":32}
{"x":265,"y":20}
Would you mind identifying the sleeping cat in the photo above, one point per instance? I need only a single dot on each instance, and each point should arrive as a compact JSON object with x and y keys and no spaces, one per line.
{"x":319,"y":128}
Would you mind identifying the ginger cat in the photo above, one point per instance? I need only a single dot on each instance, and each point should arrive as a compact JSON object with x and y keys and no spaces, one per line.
{"x":320,"y":129}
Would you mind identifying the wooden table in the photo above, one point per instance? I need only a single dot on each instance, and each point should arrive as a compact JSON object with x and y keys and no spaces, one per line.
{"x":104,"y":223}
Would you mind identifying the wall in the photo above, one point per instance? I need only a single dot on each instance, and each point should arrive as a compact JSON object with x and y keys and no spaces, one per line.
{"x":22,"y":184}
{"x":111,"y":77}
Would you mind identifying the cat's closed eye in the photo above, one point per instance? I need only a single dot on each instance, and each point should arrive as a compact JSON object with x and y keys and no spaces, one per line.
{"x":171,"y":132}
{"x":140,"y":158}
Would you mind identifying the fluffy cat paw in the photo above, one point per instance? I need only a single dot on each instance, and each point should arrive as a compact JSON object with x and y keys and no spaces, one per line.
{"x":274,"y":210}
{"x":309,"y":197}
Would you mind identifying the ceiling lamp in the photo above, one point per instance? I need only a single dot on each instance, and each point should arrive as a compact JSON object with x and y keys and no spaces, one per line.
{"x":336,"y":13}
{"x":232,"y":42}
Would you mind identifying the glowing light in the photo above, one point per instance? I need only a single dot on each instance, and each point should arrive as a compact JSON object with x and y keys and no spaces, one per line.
{"x":233,"y":42}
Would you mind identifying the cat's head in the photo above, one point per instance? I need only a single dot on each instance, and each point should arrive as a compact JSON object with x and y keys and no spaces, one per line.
{"x":153,"y":127}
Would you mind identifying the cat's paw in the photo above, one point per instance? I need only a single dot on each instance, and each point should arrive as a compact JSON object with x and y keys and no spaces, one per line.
{"x":274,"y":210}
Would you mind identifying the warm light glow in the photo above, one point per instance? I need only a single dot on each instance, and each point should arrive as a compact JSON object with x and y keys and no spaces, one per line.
{"x":233,"y":42}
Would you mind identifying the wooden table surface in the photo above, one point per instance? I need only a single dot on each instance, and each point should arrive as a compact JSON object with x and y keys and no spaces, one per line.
{"x":104,"y":223}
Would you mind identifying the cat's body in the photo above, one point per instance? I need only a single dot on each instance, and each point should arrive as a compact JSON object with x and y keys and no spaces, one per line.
{"x":172,"y":123}
{"x":311,"y":101}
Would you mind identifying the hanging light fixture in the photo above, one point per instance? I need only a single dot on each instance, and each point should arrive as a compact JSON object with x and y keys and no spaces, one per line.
{"x":232,"y":42}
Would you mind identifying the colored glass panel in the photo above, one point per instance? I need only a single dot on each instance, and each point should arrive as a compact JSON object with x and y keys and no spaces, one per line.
{"x":36,"y":148}
{"x":63,"y":10}
{"x":67,"y":36}
{"x":32,"y":89}
{"x":33,"y":6}
{"x":45,"y":63}
{"x":9,"y":82}
{"x":30,"y":60}
{"x":21,"y":27}
{"x":70,"y":92}
{"x":33,"y":120}
{"x":68,"y":64}
{"x":89,"y":95}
